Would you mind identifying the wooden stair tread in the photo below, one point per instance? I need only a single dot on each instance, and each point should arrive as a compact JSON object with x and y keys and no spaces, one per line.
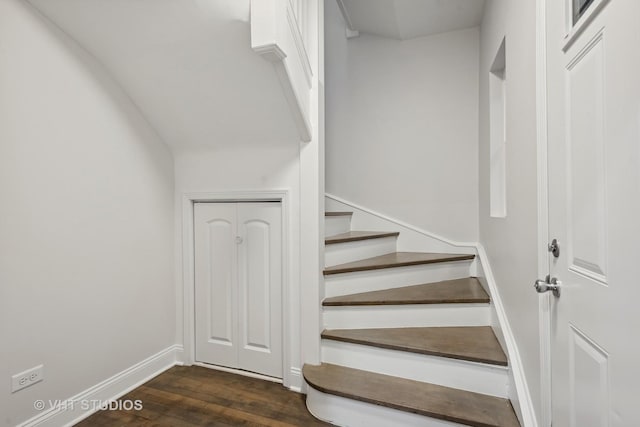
{"x":354,"y":236}
{"x":472,"y":343}
{"x":458,"y":291}
{"x":426,"y":399}
{"x":395,"y":259}
{"x":338,"y":213}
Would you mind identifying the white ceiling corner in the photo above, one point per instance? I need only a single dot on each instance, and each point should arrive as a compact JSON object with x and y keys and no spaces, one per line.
{"x":407,"y":19}
{"x":187,"y":64}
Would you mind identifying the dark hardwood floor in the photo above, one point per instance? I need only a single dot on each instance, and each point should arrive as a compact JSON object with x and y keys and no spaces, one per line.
{"x":194,"y":396}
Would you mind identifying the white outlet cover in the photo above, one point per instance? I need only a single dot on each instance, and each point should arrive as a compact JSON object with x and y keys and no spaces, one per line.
{"x":27,"y":378}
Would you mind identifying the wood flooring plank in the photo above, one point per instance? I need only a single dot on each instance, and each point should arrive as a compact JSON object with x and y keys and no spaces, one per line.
{"x":471,"y":343}
{"x":396,"y":259}
{"x":431,"y":400}
{"x":191,"y":396}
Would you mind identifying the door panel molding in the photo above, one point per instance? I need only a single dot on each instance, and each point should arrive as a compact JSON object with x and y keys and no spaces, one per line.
{"x":260,"y":296}
{"x":588,"y":380}
{"x":573,"y":32}
{"x":586,"y":173}
{"x":221,"y":331}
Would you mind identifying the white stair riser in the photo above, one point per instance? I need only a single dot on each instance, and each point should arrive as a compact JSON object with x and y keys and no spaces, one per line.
{"x":341,"y":253}
{"x":336,"y":225}
{"x":342,"y":411}
{"x":460,"y":374}
{"x":406,"y":316}
{"x":374,"y":280}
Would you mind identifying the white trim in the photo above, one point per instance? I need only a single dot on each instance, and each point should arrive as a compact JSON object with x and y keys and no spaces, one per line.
{"x":544,"y":328}
{"x":301,"y":120}
{"x":522,"y":389}
{"x":345,"y":15}
{"x":402,"y":224}
{"x":271,"y":52}
{"x":270,"y":40}
{"x":70,"y":411}
{"x":296,"y":375}
{"x":351,"y":34}
{"x":583,"y":22}
{"x":291,"y":348}
{"x":296,"y":34}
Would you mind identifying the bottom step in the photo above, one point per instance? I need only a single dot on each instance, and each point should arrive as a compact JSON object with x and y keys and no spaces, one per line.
{"x":424,"y":399}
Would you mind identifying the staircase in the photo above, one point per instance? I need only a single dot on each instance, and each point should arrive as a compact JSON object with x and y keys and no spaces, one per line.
{"x":407,"y":340}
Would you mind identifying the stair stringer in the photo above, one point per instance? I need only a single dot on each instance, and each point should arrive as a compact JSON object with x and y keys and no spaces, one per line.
{"x":415,"y":239}
{"x":411,"y":239}
{"x":517,"y":387}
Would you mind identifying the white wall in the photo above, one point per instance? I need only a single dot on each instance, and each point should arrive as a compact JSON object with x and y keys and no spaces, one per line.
{"x":86,"y":223}
{"x":188,"y":64}
{"x":402,"y":126}
{"x":511,"y":242}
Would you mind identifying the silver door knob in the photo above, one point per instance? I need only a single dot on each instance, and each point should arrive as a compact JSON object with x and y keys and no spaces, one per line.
{"x":239,"y":240}
{"x":548,"y":284}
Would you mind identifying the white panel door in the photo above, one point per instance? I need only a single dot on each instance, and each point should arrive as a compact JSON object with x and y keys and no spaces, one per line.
{"x":216,"y":290}
{"x":259,"y":290}
{"x":238,"y":285}
{"x":594,"y":211}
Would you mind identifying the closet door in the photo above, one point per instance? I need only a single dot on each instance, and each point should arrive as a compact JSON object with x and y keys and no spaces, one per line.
{"x":216,"y":296}
{"x":238,"y":285}
{"x":259,"y":290}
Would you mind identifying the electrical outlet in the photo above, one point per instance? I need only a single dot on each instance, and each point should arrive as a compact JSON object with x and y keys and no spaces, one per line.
{"x":27,"y":378}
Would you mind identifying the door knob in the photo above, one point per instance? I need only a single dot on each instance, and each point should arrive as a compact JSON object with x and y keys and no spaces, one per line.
{"x":548,"y":284}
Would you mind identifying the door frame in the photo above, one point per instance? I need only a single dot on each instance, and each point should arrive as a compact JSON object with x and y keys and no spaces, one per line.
{"x":544,"y":300}
{"x":186,"y":262}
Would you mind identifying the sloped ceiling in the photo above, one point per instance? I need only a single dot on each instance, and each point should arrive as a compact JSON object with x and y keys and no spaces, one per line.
{"x":187,"y":64}
{"x":407,"y":19}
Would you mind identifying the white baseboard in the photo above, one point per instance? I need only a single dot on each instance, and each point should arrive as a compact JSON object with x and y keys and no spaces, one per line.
{"x":72,"y":411}
{"x":296,"y":381}
{"x":521,"y":399}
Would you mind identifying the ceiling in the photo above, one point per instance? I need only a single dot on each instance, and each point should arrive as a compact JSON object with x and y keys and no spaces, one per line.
{"x":187,"y":64}
{"x":407,"y":19}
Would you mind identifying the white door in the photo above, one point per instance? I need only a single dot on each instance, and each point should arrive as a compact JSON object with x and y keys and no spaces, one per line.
{"x":594,"y":211}
{"x":238,"y":285}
